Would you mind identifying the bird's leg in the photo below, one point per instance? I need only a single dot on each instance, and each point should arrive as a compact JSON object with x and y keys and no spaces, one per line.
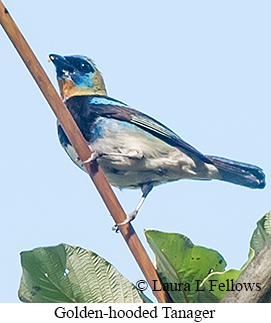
{"x":145,"y":191}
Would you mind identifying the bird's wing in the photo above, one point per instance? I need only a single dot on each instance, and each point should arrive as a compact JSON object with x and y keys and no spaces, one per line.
{"x":111,"y":108}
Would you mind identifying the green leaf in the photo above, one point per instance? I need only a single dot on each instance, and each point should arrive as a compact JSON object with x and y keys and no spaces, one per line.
{"x":262,"y":234}
{"x":182,"y":266}
{"x":71,"y":274}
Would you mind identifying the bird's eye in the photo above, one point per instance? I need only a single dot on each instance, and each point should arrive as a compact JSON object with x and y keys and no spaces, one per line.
{"x":85,"y":67}
{"x":80,"y":64}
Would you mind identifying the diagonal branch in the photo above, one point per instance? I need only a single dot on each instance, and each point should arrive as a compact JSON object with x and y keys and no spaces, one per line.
{"x":81,"y":147}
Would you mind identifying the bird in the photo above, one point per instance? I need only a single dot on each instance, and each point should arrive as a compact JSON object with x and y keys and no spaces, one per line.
{"x":134,"y":150}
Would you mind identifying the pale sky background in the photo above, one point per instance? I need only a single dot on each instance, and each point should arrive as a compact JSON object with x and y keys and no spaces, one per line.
{"x":200,"y":67}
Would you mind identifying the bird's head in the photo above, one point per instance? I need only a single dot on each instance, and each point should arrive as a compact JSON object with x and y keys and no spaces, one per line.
{"x":77,"y":75}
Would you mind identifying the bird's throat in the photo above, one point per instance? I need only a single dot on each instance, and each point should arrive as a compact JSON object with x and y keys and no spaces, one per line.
{"x":68,"y":89}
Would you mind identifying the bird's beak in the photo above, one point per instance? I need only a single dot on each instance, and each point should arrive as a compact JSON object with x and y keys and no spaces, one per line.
{"x":61,"y":64}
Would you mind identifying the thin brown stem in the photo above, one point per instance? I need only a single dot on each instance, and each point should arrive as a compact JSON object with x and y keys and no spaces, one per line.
{"x":82,"y":149}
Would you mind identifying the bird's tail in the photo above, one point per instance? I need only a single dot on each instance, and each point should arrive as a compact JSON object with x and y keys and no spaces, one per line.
{"x":239,"y":173}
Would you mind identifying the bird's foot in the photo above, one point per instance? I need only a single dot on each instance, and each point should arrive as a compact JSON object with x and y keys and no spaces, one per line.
{"x":130,"y":217}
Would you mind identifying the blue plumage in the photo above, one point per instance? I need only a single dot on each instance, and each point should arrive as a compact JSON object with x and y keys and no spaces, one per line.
{"x":135,"y":150}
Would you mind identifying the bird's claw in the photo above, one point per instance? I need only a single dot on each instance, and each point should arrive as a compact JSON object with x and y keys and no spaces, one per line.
{"x":130,"y":217}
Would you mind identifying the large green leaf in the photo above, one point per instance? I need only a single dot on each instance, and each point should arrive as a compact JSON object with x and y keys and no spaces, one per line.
{"x":182,"y":266}
{"x":198,"y":272}
{"x":262,"y":234}
{"x":71,"y":274}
